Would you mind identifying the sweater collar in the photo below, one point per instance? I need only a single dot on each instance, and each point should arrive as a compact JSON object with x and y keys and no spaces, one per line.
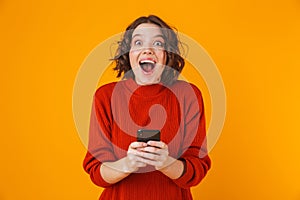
{"x":143,"y":90}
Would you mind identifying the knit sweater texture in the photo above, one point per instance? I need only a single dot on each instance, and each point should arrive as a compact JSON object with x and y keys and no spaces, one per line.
{"x":120,"y":109}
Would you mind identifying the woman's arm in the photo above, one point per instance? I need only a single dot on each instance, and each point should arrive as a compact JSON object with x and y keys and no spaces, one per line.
{"x":173,"y":170}
{"x":113,"y":172}
{"x":194,"y":144}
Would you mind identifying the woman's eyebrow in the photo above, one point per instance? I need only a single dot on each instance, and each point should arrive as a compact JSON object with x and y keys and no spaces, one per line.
{"x":159,"y":36}
{"x":141,"y":35}
{"x":136,"y":35}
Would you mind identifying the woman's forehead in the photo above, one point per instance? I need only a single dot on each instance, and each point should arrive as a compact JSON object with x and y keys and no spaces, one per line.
{"x":147,"y":29}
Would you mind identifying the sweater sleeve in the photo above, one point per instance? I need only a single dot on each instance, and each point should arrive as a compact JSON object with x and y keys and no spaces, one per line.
{"x":194,"y":147}
{"x":99,"y":147}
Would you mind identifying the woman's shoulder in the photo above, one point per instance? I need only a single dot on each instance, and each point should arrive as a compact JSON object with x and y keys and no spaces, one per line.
{"x":106,"y":89}
{"x":186,"y":91}
{"x":185,"y":86}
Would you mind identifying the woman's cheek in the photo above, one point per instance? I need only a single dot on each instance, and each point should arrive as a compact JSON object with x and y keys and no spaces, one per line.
{"x":133,"y":59}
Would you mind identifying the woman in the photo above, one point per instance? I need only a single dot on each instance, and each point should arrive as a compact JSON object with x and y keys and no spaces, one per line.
{"x":148,"y":97}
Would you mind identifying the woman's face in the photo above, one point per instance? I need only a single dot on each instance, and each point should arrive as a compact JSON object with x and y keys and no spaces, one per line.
{"x":147,"y":55}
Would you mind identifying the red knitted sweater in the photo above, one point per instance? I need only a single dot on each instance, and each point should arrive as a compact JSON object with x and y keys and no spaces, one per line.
{"x":120,"y":109}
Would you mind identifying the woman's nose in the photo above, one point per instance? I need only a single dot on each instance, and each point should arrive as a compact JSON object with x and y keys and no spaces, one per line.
{"x":148,"y":50}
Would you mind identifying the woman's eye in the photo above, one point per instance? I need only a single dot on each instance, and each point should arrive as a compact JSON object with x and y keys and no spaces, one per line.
{"x":138,"y":43}
{"x":158,"y":43}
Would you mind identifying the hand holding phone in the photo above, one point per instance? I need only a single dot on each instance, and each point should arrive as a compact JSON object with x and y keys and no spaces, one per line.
{"x":157,"y":148}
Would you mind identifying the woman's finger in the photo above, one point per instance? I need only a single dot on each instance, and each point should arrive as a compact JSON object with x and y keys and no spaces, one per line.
{"x":135,"y":145}
{"x":157,"y":151}
{"x":158,"y":144}
{"x":154,"y":163}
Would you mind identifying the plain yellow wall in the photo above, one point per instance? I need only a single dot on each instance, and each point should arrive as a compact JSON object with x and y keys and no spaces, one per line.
{"x":255,"y":44}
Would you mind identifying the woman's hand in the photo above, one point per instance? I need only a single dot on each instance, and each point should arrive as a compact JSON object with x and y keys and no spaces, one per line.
{"x":133,"y":161}
{"x":155,"y":154}
{"x":161,"y":160}
{"x":113,"y":172}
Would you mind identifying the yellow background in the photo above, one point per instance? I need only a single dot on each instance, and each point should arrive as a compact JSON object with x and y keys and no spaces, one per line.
{"x":255,"y":44}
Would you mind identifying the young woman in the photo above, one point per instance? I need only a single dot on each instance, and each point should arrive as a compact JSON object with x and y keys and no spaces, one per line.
{"x":148,"y":97}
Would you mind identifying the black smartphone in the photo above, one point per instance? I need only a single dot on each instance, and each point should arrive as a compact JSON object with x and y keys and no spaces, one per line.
{"x":145,"y":135}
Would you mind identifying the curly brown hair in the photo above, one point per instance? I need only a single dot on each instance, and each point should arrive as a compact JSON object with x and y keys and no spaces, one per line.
{"x":174,"y":61}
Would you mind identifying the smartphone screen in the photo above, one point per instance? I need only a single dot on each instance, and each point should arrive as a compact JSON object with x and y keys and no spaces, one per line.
{"x":144,"y":135}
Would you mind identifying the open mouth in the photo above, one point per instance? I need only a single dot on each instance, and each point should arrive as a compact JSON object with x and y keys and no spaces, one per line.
{"x":147,"y":65}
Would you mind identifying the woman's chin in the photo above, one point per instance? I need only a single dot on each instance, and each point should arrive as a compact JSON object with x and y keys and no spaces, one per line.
{"x":146,"y":81}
